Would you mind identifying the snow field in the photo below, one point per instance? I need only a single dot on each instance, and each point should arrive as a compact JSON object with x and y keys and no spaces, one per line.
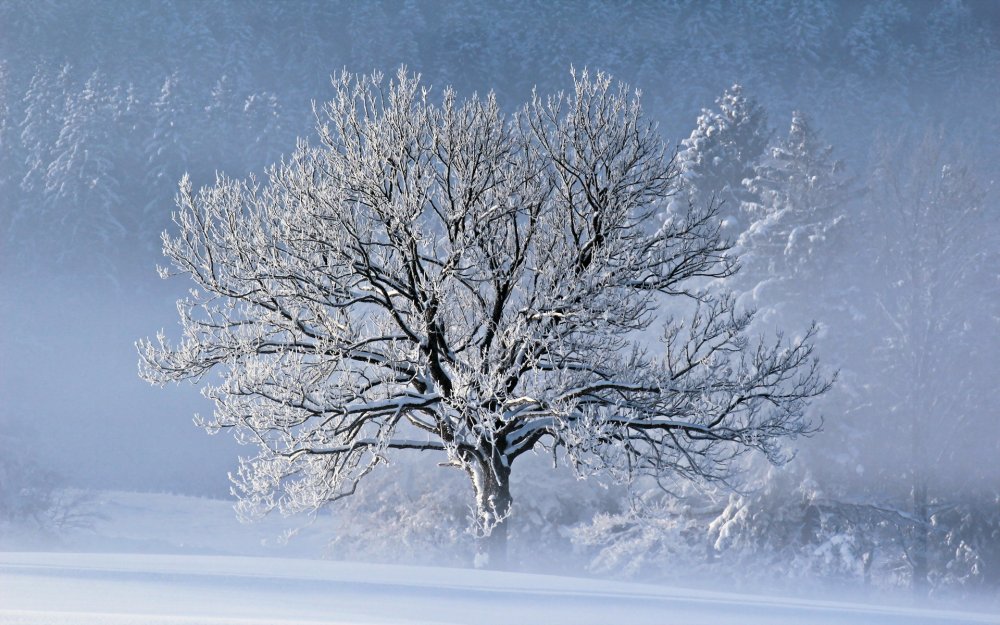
{"x":122,"y":589}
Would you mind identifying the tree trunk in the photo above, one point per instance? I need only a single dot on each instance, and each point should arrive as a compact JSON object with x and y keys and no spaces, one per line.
{"x":867,"y":559}
{"x":920,"y":557}
{"x":920,"y":553}
{"x":493,"y":502}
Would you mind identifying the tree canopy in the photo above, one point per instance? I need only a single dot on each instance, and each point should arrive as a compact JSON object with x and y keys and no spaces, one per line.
{"x":444,"y":277}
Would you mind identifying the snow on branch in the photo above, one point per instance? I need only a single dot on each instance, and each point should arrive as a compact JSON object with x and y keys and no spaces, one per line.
{"x":479,"y":280}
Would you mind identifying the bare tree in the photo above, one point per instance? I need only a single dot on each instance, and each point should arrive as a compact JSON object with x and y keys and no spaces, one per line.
{"x":442,"y":277}
{"x":935,"y":238}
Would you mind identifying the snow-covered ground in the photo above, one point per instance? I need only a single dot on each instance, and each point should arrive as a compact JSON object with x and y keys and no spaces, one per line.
{"x":174,"y":560}
{"x":84,"y":589}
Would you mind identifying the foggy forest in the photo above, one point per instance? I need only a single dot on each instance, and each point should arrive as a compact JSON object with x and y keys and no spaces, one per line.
{"x":760,"y":364}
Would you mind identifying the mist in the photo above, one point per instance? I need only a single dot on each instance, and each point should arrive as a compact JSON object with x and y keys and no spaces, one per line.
{"x":890,"y":245}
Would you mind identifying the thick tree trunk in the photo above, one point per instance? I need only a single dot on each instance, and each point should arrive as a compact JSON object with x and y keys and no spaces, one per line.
{"x":492,"y":548}
{"x":493,"y":502}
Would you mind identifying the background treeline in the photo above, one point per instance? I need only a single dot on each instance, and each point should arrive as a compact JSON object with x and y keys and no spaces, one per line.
{"x":104,"y":105}
{"x":856,"y":160}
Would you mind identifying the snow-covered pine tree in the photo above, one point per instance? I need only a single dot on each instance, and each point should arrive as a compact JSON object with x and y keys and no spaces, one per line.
{"x":873,"y":40}
{"x":10,"y":154}
{"x":720,"y":153}
{"x":81,"y":185}
{"x":166,"y":147}
{"x":800,"y":194}
{"x":263,"y":133}
{"x":44,"y":105}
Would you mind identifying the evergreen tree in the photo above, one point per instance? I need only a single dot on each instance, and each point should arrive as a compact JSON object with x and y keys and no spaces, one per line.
{"x":800,"y":192}
{"x":264,"y":132}
{"x":7,"y":139}
{"x":81,"y":186}
{"x":167,"y":150}
{"x":720,"y":153}
{"x":44,"y":105}
{"x":875,"y":39}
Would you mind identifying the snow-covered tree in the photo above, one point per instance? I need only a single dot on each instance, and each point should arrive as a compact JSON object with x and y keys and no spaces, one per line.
{"x":6,"y":127}
{"x":227,"y":134}
{"x":720,"y":154}
{"x":440,"y":277}
{"x":10,"y":157}
{"x":26,"y":488}
{"x":33,"y":498}
{"x":44,"y":106}
{"x":969,"y":549}
{"x":801,"y":194}
{"x":166,"y":146}
{"x":264,"y":116}
{"x":653,"y":536}
{"x":932,"y":230}
{"x":81,"y":187}
{"x":873,"y":41}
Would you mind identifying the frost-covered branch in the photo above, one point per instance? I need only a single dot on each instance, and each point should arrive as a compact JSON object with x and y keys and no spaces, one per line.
{"x":479,"y":280}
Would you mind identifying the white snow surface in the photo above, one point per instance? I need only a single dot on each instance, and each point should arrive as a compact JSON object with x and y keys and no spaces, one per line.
{"x":174,"y":560}
{"x":126,"y":589}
